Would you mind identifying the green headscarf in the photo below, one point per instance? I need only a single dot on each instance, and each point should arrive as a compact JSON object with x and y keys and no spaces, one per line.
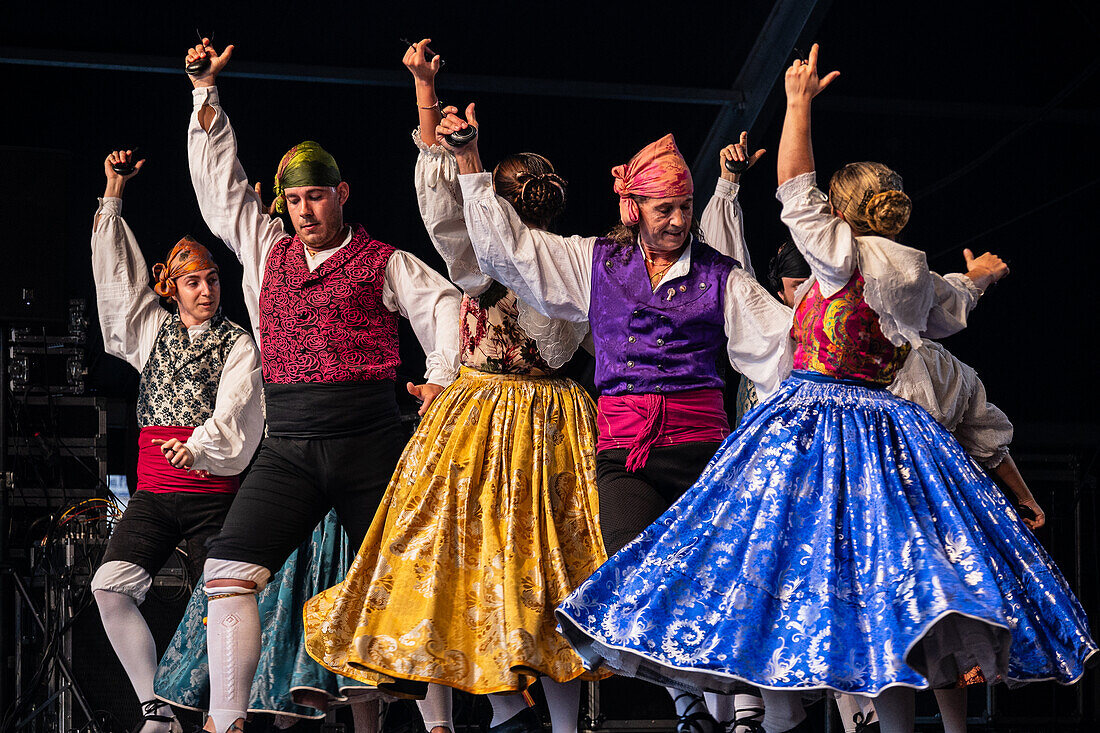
{"x":306,"y":164}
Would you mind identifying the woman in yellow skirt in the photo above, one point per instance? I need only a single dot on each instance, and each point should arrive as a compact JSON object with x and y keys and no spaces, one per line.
{"x":491,"y":518}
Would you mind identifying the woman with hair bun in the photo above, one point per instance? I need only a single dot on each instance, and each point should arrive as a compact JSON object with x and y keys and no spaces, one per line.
{"x":841,"y":538}
{"x":490,"y":520}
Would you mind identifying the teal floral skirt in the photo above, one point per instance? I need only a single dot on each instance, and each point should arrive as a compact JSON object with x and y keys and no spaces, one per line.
{"x":288,"y":681}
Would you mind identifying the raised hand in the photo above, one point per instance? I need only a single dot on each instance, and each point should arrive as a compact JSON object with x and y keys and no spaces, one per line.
{"x":984,"y":270}
{"x":217,"y":62}
{"x":269,"y":209}
{"x":802,"y":81}
{"x":738,"y":151}
{"x":418,"y":63}
{"x":451,"y":122}
{"x":467,"y":156}
{"x":117,"y":181}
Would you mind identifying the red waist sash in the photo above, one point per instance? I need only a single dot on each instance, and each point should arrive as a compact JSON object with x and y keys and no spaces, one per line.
{"x":156,"y":474}
{"x":639,"y":422}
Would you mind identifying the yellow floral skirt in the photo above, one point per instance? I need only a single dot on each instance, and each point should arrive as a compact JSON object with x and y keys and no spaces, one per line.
{"x":489,"y":522}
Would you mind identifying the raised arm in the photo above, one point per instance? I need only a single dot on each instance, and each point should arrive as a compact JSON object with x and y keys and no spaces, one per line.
{"x":551,"y":273}
{"x":956,"y":294}
{"x":801,"y":82}
{"x":436,"y":179}
{"x":722,"y":220}
{"x":229,"y":204}
{"x":129,"y":311}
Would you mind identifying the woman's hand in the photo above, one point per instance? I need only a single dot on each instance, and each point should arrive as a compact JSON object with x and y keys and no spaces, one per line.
{"x":117,"y":181}
{"x":1032,"y":514}
{"x":217,"y":62}
{"x":802,"y":82}
{"x":737,"y":151}
{"x":268,"y":209}
{"x":984,"y":270}
{"x":426,"y":393}
{"x":417,"y":62}
{"x":176,"y":453}
{"x":467,"y":156}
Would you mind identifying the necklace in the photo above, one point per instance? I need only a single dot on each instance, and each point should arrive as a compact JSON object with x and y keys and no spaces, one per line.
{"x":655,"y":277}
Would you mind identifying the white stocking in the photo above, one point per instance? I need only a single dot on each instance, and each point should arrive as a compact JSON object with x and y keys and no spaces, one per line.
{"x":852,"y":705}
{"x":782,"y":710}
{"x":895,"y":709}
{"x":233,"y":644}
{"x":134,"y":646}
{"x":564,"y":701}
{"x":952,"y":703}
{"x":435,"y":708}
{"x":505,"y":707}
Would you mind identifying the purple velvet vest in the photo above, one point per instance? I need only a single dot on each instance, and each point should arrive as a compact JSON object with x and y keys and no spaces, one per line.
{"x":328,"y":325}
{"x":656,"y":342}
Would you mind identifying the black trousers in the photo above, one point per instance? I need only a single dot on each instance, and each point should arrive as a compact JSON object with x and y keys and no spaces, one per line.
{"x":298,"y":477}
{"x":154,"y":523}
{"x":631,"y":500}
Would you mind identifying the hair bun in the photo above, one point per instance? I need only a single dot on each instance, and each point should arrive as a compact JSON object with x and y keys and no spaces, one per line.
{"x":542,"y":196}
{"x":888,"y":212}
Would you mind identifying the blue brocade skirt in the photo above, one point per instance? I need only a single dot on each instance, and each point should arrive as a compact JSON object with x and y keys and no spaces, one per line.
{"x":840,"y":538}
{"x":287,"y":681}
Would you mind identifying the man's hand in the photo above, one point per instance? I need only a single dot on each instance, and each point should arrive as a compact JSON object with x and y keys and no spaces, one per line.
{"x":984,"y":270}
{"x":176,"y":453}
{"x":416,"y":61}
{"x":217,"y":62}
{"x":426,"y":393}
{"x":737,"y":151}
{"x":116,"y":181}
{"x":467,"y":156}
{"x":802,"y":82}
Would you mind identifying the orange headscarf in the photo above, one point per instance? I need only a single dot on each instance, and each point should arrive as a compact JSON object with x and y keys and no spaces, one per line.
{"x":187,"y":256}
{"x":657,"y":171}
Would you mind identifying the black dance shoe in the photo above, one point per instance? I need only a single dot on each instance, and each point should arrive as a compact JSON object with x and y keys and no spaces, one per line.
{"x":696,"y":719}
{"x":862,"y":726}
{"x":149,"y":710}
{"x":746,"y":719}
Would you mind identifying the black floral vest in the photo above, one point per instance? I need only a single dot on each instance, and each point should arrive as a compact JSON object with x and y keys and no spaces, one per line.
{"x":179,"y":383}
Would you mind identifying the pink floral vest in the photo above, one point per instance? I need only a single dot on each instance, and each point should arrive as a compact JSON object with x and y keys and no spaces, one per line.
{"x":328,"y":325}
{"x":840,"y":337}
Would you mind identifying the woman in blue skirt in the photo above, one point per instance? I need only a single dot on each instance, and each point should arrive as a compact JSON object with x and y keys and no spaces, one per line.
{"x":840,"y":538}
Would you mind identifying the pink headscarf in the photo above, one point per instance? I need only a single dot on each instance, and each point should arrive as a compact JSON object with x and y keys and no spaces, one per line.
{"x":657,"y":171}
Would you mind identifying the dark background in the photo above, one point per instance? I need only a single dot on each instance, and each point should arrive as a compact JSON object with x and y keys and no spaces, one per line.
{"x":966,"y":100}
{"x":989,"y":112}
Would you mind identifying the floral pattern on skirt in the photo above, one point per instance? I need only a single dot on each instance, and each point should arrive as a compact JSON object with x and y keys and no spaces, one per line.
{"x":840,"y":538}
{"x":287,"y":680}
{"x":490,"y":521}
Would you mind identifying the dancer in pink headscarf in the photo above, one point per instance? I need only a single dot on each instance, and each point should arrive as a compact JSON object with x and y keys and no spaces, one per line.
{"x":663,"y":306}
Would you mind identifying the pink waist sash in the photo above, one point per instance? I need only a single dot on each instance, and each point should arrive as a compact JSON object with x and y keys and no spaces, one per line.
{"x":156,"y":474}
{"x":639,"y":422}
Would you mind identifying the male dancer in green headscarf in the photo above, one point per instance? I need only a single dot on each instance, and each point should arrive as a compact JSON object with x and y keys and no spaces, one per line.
{"x":324,"y":303}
